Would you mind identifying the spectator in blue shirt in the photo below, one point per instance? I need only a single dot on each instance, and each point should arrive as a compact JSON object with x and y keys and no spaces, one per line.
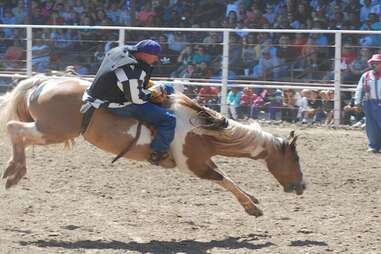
{"x":200,"y":55}
{"x":372,"y":23}
{"x":233,"y":101}
{"x":8,"y":19}
{"x":3,"y":44}
{"x":365,"y":10}
{"x":20,"y":12}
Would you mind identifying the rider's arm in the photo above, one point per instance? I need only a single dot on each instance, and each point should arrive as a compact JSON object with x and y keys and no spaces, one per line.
{"x":132,"y":80}
{"x":138,"y":94}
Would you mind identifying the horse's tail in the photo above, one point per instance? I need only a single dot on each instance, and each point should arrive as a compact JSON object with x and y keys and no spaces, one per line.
{"x":11,"y":102}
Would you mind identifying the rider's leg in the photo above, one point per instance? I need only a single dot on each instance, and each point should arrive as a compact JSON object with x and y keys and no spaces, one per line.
{"x":163,"y":121}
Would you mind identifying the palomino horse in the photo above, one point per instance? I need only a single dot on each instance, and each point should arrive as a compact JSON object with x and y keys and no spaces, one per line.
{"x":46,"y":110}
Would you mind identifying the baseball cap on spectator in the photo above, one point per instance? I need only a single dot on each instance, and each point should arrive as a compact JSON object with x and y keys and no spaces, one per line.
{"x":375,"y":58}
{"x":148,"y":46}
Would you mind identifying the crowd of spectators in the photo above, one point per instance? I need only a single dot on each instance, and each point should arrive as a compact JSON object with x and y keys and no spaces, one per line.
{"x":307,"y":106}
{"x":198,"y":55}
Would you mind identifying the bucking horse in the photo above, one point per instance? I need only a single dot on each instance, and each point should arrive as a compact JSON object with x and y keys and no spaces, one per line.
{"x":43,"y":110}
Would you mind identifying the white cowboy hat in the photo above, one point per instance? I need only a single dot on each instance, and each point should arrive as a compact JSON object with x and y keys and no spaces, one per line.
{"x":375,"y":58}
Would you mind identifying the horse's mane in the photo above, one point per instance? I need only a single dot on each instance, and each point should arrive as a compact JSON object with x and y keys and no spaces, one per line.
{"x":207,"y":118}
{"x":226,"y":133}
{"x":280,"y":144}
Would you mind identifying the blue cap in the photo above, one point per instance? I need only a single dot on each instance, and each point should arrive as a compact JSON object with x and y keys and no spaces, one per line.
{"x":148,"y":46}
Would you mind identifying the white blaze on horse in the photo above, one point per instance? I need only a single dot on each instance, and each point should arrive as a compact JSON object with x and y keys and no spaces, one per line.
{"x":46,"y":110}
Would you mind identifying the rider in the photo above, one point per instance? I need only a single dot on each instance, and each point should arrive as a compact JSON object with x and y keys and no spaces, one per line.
{"x":121,"y":86}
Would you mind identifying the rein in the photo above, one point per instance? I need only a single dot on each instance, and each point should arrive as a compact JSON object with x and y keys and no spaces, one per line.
{"x":133,"y":142}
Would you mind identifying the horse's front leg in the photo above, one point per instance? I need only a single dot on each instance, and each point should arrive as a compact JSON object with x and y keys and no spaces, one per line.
{"x":210,"y":171}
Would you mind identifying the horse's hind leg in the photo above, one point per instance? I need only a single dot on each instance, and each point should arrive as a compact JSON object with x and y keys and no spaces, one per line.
{"x":21,"y":134}
{"x":247,"y":201}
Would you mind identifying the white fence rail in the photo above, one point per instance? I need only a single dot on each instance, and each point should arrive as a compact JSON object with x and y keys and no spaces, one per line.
{"x":223,"y":82}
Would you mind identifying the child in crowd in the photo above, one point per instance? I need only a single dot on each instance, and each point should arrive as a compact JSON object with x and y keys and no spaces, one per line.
{"x":233,"y":101}
{"x":275,"y":105}
{"x":302,"y":103}
{"x":353,"y":115}
{"x":327,"y":106}
{"x":246,"y":101}
{"x":260,"y":97}
{"x":209,"y":96}
{"x":289,"y":106}
{"x":314,"y":112}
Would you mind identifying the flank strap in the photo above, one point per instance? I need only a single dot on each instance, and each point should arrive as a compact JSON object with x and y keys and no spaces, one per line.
{"x":133,"y":142}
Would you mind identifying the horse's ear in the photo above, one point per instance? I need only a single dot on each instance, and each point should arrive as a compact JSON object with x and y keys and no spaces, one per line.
{"x":292,"y":138}
{"x":292,"y":142}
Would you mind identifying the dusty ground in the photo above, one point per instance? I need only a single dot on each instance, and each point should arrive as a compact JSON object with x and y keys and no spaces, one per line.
{"x":77,"y":202}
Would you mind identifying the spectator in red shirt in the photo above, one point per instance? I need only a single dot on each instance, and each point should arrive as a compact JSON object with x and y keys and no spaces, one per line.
{"x":348,"y":55}
{"x":246,"y":101}
{"x":299,"y":42}
{"x":146,"y":15}
{"x":208,"y":96}
{"x":47,"y":8}
{"x":55,"y":19}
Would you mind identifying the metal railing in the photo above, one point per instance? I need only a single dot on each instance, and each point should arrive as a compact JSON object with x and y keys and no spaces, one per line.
{"x":224,"y":81}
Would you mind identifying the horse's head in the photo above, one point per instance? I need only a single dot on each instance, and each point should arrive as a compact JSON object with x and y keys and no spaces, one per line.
{"x":283,"y":163}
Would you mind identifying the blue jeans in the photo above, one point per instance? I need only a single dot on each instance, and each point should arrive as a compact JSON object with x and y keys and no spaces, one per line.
{"x":372,"y":110}
{"x":163,"y":121}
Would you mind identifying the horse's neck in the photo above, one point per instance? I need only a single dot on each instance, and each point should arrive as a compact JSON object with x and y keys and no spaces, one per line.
{"x":183,"y":116}
{"x":239,"y":140}
{"x":236,"y":140}
{"x":246,"y":141}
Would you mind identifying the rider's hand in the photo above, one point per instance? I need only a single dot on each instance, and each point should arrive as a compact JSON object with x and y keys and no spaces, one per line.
{"x":145,"y":95}
{"x":169,"y":89}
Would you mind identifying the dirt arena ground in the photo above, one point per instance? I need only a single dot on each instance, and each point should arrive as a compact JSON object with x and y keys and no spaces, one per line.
{"x":77,"y":202}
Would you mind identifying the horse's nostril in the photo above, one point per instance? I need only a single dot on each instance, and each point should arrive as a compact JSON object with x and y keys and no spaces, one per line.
{"x":290,"y":188}
{"x":297,"y":187}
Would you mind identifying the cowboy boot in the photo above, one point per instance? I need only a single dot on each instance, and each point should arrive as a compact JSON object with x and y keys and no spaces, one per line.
{"x":163,"y":159}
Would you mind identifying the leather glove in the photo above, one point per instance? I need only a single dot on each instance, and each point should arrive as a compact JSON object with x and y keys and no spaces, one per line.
{"x":169,"y":89}
{"x":145,"y":95}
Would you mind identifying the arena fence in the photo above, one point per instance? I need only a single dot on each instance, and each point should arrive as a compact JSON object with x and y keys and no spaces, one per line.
{"x":125,"y":35}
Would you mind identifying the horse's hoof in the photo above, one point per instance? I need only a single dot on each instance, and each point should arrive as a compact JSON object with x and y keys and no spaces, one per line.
{"x":255,"y":211}
{"x":168,"y":163}
{"x":10,"y":182}
{"x":255,"y":200}
{"x":14,"y":179}
{"x":10,"y":170}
